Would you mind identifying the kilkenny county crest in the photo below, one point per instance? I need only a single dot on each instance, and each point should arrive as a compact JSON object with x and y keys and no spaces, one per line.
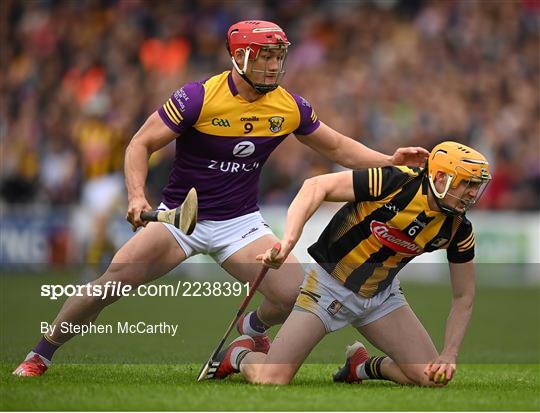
{"x":275,"y":123}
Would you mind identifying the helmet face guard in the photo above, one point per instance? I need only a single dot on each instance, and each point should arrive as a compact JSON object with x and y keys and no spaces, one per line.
{"x":278,"y":74}
{"x":464,"y":197}
{"x":464,"y":168}
{"x":256,"y":38}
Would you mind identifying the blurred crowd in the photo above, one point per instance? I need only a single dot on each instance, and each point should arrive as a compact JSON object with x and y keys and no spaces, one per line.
{"x":80,"y":77}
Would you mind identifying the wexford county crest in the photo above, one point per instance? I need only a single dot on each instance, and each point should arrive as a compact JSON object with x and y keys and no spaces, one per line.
{"x":275,"y":123}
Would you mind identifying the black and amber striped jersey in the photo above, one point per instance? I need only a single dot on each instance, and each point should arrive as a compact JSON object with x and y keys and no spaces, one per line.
{"x":369,"y":241}
{"x":101,"y":148}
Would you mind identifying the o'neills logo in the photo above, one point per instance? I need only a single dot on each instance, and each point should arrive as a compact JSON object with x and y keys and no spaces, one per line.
{"x":394,"y":239}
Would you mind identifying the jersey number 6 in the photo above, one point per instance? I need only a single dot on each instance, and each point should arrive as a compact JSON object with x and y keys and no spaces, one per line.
{"x":413,"y":230}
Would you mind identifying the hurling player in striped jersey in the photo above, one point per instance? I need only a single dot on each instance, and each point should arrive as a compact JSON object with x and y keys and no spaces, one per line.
{"x":225,"y":127}
{"x":392,"y":215}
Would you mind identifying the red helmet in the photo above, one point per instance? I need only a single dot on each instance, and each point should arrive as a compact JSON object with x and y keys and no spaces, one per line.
{"x":251,"y":36}
{"x":254,"y":34}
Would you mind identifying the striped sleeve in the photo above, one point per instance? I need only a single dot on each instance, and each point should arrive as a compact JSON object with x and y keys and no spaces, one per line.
{"x":309,"y":121}
{"x":461,"y":249}
{"x":377,"y":183}
{"x":183,"y":108}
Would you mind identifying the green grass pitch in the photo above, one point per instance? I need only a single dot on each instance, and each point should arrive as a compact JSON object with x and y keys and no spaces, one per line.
{"x":499,"y":366}
{"x":157,"y":387}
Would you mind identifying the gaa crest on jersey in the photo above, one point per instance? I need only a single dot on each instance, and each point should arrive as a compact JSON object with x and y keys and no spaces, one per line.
{"x":275,"y":123}
{"x":221,"y":122}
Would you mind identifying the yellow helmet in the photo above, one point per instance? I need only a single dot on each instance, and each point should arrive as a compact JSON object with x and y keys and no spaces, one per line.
{"x":460,"y":163}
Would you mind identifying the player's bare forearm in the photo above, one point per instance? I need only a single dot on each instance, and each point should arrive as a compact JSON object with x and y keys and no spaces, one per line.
{"x":136,"y":168}
{"x":304,"y":205}
{"x":456,"y":326}
{"x":336,"y":187}
{"x":343,"y":150}
{"x":152,"y":135}
{"x":442,"y":369}
{"x":463,"y":292}
{"x":306,"y":202}
{"x":354,"y":155}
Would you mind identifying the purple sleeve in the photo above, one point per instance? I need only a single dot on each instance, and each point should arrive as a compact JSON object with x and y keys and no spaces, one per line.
{"x":308,"y":118}
{"x":182,"y":109}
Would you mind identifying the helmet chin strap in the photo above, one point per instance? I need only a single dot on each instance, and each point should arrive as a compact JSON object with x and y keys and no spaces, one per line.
{"x":440,"y":195}
{"x":446,"y":209}
{"x":260,"y":88}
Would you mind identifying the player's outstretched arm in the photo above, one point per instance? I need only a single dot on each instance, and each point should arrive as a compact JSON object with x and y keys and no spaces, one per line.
{"x":336,"y":187}
{"x":354,"y":155}
{"x":462,"y":276}
{"x":152,"y":135}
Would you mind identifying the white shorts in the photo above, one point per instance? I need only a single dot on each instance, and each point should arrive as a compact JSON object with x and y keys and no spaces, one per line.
{"x":100,"y":197}
{"x":338,"y":307}
{"x":220,"y":239}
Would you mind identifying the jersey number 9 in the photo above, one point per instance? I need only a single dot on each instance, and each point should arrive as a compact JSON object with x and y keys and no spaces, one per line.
{"x":248,"y":127}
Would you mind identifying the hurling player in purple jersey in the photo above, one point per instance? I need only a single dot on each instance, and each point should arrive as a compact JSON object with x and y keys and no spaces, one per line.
{"x":225,"y":127}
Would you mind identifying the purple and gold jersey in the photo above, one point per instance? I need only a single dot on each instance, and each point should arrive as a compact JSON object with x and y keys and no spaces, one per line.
{"x":225,"y":140}
{"x":369,"y":241}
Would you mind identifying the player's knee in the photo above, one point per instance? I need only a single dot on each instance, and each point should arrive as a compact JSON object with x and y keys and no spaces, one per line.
{"x":288,"y":302}
{"x":92,"y":297}
{"x":125,"y":273}
{"x":276,"y":380}
{"x":111,"y":285}
{"x":275,"y":374}
{"x":287,"y":299}
{"x":283,"y":290}
{"x":282,"y":305}
{"x":415,"y":373}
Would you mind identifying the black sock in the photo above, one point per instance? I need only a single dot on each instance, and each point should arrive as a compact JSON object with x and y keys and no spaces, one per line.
{"x":372,"y":367}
